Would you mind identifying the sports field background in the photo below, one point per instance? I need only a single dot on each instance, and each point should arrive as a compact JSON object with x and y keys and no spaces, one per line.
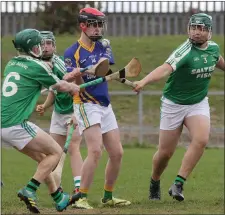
{"x":204,"y":190}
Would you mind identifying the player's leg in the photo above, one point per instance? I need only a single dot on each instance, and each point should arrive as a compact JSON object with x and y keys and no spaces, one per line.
{"x":88,"y":117}
{"x":76,"y":160}
{"x":28,"y":136}
{"x":112,"y":143}
{"x":37,"y":156}
{"x":58,"y":128}
{"x":171,"y":121}
{"x":61,"y":200}
{"x":197,"y":122}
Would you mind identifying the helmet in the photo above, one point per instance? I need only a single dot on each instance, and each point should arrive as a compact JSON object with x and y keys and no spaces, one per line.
{"x":26,"y":39}
{"x":90,"y":16}
{"x":48,"y":35}
{"x":201,"y":19}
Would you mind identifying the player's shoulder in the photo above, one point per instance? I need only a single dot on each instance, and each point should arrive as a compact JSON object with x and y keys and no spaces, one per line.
{"x":183,"y":49}
{"x":56,"y":58}
{"x":71,"y":49}
{"x":212,"y":43}
{"x":98,"y":44}
{"x":185,"y":45}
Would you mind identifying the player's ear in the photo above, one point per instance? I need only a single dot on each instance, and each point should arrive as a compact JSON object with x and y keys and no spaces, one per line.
{"x":83,"y":26}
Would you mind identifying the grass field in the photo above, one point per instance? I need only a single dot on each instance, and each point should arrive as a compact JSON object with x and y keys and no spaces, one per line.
{"x":204,"y":190}
{"x":152,"y":52}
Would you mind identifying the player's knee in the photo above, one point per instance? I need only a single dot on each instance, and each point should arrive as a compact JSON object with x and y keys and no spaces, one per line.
{"x":95,"y":153}
{"x":117,"y":154}
{"x":165,"y":154}
{"x":57,"y":151}
{"x":200,"y":141}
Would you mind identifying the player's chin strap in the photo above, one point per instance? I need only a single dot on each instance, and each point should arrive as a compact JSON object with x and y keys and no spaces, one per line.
{"x":94,"y":38}
{"x":195,"y":43}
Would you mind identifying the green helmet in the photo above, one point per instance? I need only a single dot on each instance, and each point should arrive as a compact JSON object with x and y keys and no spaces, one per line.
{"x":26,"y":39}
{"x":48,"y":35}
{"x":201,"y":19}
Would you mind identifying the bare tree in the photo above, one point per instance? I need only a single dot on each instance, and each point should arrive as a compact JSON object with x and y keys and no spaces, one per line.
{"x":60,"y":17}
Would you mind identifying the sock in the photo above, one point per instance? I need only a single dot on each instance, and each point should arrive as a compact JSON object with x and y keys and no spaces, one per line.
{"x":107,"y":192}
{"x":32,"y":185}
{"x":180,"y":179}
{"x":153,"y":182}
{"x":77,"y":180}
{"x":83,"y":193}
{"x":57,"y":196}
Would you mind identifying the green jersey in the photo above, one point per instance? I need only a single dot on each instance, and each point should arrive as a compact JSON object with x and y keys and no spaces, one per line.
{"x":192,"y":70}
{"x":63,"y":101}
{"x":24,"y":77}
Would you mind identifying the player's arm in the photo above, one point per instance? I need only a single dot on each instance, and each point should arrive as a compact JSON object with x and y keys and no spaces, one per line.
{"x":176,"y":60}
{"x":47,"y":78}
{"x":71,"y":66}
{"x":48,"y":103}
{"x":221,"y":64}
{"x":157,"y":74}
{"x":64,"y":86}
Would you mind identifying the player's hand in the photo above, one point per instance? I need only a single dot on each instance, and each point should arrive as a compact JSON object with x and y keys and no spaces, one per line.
{"x":139,"y":86}
{"x":74,"y":89}
{"x":40,"y":109}
{"x":71,"y":76}
{"x":74,"y":121}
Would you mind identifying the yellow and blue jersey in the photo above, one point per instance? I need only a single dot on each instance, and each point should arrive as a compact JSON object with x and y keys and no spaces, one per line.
{"x":80,"y":56}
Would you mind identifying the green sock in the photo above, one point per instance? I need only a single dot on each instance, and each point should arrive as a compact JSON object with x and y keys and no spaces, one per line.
{"x":32,"y":185}
{"x":57,"y":196}
{"x":107,"y":194}
{"x":180,"y":179}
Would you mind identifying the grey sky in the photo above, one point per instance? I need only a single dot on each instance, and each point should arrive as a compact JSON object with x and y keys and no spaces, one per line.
{"x":134,"y":6}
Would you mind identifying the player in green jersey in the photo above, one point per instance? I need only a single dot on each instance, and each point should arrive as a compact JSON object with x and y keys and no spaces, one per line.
{"x":184,"y":101}
{"x":63,"y":110}
{"x":24,"y":77}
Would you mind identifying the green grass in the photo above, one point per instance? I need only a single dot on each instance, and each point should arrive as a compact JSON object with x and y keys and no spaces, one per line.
{"x":152,"y":52}
{"x":204,"y":189}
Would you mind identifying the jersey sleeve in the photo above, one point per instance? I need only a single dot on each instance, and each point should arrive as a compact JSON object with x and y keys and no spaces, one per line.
{"x":69,"y":60}
{"x":107,"y":53}
{"x":45,"y":75}
{"x":59,"y":65}
{"x":179,"y":56}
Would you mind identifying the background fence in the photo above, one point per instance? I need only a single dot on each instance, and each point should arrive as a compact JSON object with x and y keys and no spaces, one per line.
{"x":124,"y":18}
{"x":129,"y":19}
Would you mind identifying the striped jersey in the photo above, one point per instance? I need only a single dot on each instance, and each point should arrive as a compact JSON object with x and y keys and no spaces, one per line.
{"x":24,"y":77}
{"x":192,"y":70}
{"x":80,"y":56}
{"x":63,"y":101}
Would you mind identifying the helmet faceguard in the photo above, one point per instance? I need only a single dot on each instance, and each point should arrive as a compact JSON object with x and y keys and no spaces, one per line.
{"x":29,"y":41}
{"x":200,"y":28}
{"x":92,"y":18}
{"x":48,"y":37}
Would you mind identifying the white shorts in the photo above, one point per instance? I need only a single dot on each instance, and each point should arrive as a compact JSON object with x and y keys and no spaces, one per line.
{"x":19,"y":135}
{"x":59,"y":123}
{"x":173,"y":115}
{"x":89,"y":114}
